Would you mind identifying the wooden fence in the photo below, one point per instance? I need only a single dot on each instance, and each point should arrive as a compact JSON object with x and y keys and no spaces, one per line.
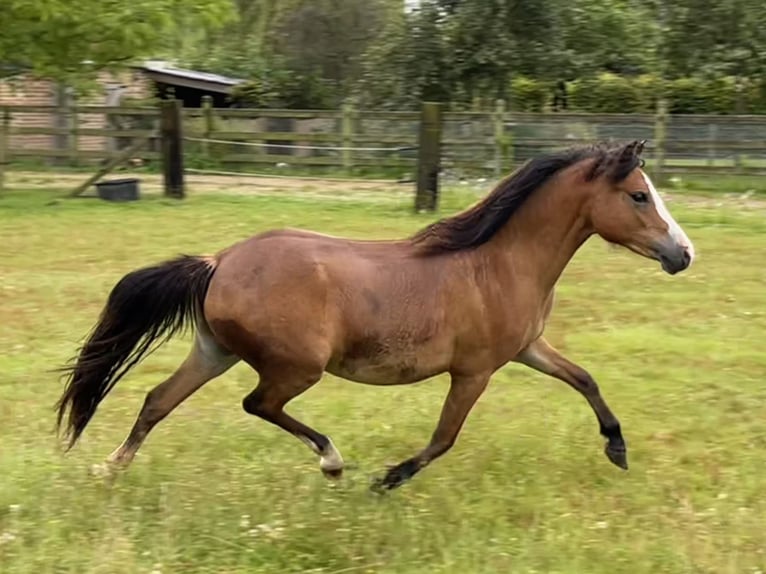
{"x":487,"y":142}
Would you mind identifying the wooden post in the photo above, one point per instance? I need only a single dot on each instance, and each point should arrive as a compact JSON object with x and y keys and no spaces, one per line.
{"x":5,"y":135}
{"x":172,"y":150}
{"x":207,"y":118}
{"x":61,"y":122}
{"x":429,"y":152}
{"x":739,"y":109}
{"x":74,"y":139}
{"x":660,"y":123}
{"x":712,"y":136}
{"x":498,"y":119}
{"x":508,"y":135}
{"x":347,"y":135}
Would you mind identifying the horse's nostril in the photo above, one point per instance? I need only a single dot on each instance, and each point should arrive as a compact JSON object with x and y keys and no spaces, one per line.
{"x":687,"y":257}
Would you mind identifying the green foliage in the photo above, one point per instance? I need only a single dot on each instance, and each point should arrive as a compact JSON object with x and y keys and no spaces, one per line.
{"x":720,"y":38}
{"x":609,"y":93}
{"x":755,"y":95}
{"x":408,"y":64}
{"x":687,"y":96}
{"x":321,"y":52}
{"x":606,"y":93}
{"x":284,"y":88}
{"x":529,"y":94}
{"x":651,"y":87}
{"x":618,"y":36}
{"x":717,"y":95}
{"x":296,"y":53}
{"x":71,"y":41}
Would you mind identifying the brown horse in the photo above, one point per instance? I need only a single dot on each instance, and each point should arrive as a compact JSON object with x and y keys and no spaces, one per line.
{"x":466,"y":295}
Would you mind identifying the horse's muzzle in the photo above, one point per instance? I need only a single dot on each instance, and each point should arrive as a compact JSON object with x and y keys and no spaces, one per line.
{"x":673,"y":256}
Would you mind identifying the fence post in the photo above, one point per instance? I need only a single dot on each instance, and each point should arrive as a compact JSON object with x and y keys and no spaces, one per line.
{"x":74,"y":138}
{"x":172,"y":149}
{"x":347,"y":135}
{"x":660,"y":122}
{"x":429,"y":152}
{"x":500,"y":141}
{"x":712,"y":136}
{"x":5,"y":131}
{"x":739,"y":109}
{"x":208,"y":124}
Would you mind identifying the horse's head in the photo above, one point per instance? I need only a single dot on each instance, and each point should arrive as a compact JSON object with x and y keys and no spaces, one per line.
{"x":627,"y":210}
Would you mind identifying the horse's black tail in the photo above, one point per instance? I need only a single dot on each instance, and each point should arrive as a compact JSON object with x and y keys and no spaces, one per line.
{"x":146,"y":306}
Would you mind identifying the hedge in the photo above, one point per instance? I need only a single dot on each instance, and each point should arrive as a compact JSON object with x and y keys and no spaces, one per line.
{"x":611,"y":93}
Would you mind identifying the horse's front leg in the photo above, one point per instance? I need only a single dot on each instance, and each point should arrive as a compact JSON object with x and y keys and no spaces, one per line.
{"x":542,"y":357}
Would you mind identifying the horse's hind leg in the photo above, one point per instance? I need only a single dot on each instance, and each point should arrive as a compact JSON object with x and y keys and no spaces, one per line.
{"x":463,"y":393}
{"x":267,"y":401}
{"x":206,"y":361}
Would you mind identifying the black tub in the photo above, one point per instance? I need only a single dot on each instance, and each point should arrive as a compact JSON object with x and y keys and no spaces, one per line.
{"x":118,"y":189}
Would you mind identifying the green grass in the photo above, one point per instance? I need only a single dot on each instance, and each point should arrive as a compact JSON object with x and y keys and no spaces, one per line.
{"x":525,"y":489}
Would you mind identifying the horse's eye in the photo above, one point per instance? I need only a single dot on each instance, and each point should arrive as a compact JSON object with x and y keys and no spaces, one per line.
{"x":639,"y":197}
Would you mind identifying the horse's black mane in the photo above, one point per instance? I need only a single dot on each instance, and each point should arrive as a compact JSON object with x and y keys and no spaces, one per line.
{"x":479,"y":223}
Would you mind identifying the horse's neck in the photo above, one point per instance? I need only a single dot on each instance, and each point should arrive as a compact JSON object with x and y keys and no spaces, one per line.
{"x":542,"y":237}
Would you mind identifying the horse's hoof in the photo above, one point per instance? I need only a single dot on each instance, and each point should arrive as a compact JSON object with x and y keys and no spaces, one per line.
{"x":395,"y":477}
{"x":380,"y":486}
{"x":617,"y":454}
{"x":332,"y":473}
{"x":104,"y":471}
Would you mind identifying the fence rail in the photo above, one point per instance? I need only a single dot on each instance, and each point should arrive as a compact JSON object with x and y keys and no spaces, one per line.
{"x":493,"y":141}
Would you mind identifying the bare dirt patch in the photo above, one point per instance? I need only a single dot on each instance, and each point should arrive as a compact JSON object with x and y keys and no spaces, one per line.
{"x":324,"y":188}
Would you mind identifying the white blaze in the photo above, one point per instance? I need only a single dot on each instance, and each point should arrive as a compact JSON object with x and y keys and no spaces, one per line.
{"x":673,"y":228}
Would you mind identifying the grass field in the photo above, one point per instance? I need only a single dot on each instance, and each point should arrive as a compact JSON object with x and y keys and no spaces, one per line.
{"x":525,"y":489}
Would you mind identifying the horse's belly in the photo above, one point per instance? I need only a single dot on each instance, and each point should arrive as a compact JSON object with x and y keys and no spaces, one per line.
{"x":399,"y":372}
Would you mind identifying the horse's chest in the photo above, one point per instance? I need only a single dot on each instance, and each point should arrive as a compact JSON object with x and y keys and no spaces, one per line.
{"x":521,"y":326}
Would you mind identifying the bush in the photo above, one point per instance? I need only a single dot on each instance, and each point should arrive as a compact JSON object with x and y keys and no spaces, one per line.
{"x":284,"y":89}
{"x":609,"y":93}
{"x":688,"y":96}
{"x":708,"y":96}
{"x":755,"y":96}
{"x":606,"y":93}
{"x":649,"y":88}
{"x":721,"y":95}
{"x":529,"y":95}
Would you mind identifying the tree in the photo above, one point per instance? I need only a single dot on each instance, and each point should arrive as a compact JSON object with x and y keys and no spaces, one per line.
{"x":326,"y":37}
{"x":409,"y":62}
{"x":617,"y":36}
{"x":725,"y":37}
{"x":70,"y":41}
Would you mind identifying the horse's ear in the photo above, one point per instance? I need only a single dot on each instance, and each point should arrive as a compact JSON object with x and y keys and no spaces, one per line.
{"x":631,"y":150}
{"x":626,"y":160}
